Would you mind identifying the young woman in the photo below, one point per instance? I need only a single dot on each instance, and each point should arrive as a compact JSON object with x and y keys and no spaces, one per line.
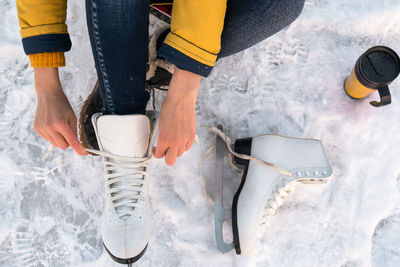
{"x":200,"y":33}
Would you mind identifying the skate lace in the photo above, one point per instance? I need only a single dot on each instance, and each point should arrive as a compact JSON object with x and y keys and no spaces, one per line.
{"x":278,"y":196}
{"x":125,"y":181}
{"x":227,"y":141}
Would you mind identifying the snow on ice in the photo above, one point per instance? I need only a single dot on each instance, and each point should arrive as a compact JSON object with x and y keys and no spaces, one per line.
{"x":292,"y":84}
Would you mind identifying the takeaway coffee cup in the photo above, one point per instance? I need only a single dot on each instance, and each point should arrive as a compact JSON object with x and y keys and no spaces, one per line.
{"x":374,"y":70}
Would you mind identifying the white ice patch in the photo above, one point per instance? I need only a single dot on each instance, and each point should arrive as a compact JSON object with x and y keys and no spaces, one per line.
{"x":292,"y":84}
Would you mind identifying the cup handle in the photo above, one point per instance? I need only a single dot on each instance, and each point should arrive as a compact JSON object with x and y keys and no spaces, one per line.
{"x":386,"y":98}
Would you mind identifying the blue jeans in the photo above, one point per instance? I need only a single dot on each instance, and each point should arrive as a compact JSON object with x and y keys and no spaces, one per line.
{"x":118,"y":32}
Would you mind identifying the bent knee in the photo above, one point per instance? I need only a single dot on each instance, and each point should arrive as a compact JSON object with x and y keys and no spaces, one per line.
{"x":295,"y":7}
{"x":278,"y":14}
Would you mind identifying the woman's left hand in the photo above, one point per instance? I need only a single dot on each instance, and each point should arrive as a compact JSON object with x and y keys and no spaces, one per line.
{"x":177,"y":123}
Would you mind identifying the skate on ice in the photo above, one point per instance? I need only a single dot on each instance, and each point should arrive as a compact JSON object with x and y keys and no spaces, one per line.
{"x":125,"y":144}
{"x":272,"y":166}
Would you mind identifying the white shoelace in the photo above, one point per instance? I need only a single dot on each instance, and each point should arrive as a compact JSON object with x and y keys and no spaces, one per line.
{"x":278,"y":196}
{"x":125,"y":180}
{"x":227,"y":141}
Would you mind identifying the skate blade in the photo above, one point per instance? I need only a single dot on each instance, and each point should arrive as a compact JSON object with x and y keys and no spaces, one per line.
{"x":128,"y":261}
{"x":220,"y":216}
{"x":220,"y":213}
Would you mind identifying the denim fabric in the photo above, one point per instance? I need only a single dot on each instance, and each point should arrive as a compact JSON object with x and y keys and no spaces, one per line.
{"x":118,"y":32}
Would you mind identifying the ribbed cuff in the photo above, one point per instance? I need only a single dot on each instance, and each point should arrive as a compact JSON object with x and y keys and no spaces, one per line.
{"x":47,"y":60}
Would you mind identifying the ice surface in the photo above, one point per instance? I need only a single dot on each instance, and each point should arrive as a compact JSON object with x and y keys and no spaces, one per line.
{"x":51,"y":201}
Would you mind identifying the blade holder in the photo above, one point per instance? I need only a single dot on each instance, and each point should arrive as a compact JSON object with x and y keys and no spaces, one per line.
{"x":220,"y":213}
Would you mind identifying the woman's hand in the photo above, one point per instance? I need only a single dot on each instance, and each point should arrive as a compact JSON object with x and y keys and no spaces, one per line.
{"x":177,"y":123}
{"x":55,"y":120}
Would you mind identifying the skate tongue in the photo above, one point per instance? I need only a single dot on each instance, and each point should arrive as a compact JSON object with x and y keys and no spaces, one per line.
{"x":124,"y":135}
{"x":128,"y":136}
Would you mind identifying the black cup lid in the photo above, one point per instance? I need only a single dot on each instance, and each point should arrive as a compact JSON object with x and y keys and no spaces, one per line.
{"x":378,"y":67}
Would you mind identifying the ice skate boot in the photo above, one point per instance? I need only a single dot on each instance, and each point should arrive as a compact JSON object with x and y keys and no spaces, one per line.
{"x":123,"y":142}
{"x":92,"y":105}
{"x":159,"y":71}
{"x":272,"y":166}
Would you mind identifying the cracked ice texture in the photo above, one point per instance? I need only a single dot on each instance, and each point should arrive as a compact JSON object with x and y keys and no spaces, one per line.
{"x":51,"y":201}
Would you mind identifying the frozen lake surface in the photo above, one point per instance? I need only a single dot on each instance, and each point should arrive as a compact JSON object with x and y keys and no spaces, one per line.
{"x":51,"y":201}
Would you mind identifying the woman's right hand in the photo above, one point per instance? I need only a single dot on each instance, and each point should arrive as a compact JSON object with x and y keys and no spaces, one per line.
{"x":55,"y":120}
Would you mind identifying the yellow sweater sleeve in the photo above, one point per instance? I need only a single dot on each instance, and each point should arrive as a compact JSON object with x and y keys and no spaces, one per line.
{"x":196,"y":29}
{"x":44,"y":32}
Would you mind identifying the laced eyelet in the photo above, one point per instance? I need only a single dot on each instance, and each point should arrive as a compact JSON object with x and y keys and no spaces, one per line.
{"x":125,"y":182}
{"x":280,"y":194}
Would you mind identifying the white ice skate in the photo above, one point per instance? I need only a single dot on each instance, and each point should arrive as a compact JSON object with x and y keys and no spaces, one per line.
{"x":124,"y":146}
{"x":273,"y":165}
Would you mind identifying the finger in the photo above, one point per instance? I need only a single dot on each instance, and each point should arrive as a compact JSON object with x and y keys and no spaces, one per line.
{"x":160,"y":150}
{"x":72,"y":139}
{"x":42,"y":134}
{"x":73,"y":124}
{"x":59,"y":140}
{"x":170,"y":157}
{"x":189,"y":144}
{"x":181,"y":151}
{"x":46,"y":137}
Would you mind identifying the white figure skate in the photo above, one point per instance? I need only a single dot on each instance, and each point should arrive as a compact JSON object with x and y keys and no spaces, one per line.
{"x":124,"y":146}
{"x":273,"y":165}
